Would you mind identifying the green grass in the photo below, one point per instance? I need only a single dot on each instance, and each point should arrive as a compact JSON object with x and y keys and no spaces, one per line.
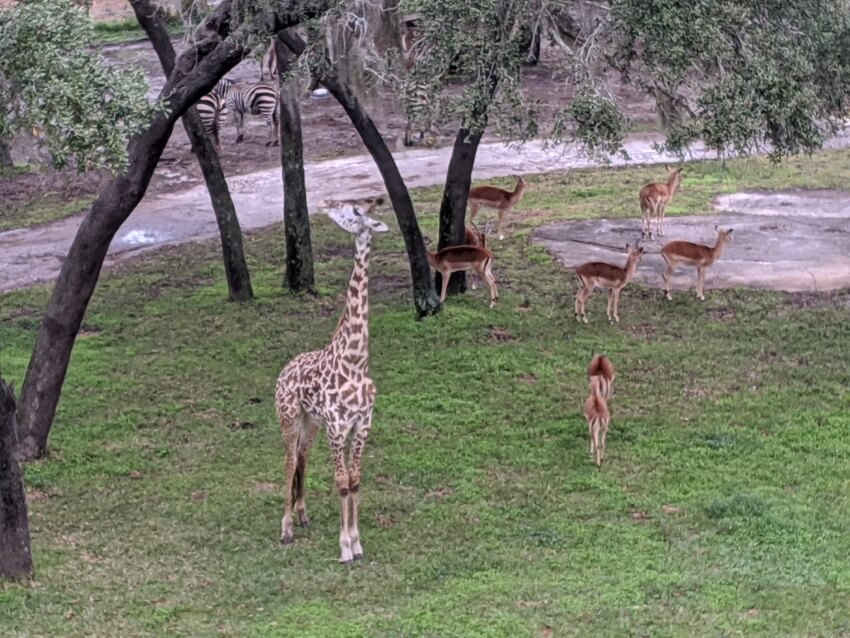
{"x":47,"y":208}
{"x":128,"y":30}
{"x":722,"y":509}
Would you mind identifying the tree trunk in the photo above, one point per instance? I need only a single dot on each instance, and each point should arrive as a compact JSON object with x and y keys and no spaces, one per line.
{"x":425,"y":298}
{"x":15,"y":556}
{"x":5,"y":153}
{"x":456,"y":191}
{"x":196,"y":71}
{"x":296,"y":219}
{"x":151,"y":17}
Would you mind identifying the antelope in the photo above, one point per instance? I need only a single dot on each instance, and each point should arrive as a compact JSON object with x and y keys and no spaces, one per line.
{"x":653,"y":201}
{"x":697,"y":255}
{"x":459,"y":258}
{"x":598,"y":273}
{"x":601,"y":371}
{"x":496,"y":198}
{"x":598,"y":418}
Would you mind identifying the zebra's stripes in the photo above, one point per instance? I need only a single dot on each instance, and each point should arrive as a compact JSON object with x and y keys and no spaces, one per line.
{"x":212,"y":108}
{"x":260,"y":99}
{"x":416,"y":101}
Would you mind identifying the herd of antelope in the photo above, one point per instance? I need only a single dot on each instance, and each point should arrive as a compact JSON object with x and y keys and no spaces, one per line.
{"x":654,"y":199}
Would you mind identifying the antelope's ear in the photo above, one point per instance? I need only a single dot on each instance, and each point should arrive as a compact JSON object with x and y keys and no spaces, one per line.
{"x":730,"y":230}
{"x":716,"y":227}
{"x":627,"y":247}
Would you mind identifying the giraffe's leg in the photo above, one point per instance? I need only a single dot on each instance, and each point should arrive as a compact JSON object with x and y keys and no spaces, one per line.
{"x":337,"y":433}
{"x":305,"y":444}
{"x":290,"y":424}
{"x":357,"y":445}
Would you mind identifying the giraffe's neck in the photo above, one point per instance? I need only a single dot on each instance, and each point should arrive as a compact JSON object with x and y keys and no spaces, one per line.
{"x":351,"y":338}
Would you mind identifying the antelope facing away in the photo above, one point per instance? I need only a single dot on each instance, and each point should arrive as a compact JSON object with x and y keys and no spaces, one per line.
{"x":497,"y":199}
{"x":697,"y":255}
{"x":459,"y":258}
{"x":653,"y":202}
{"x":601,"y":371}
{"x":598,"y":418}
{"x":604,"y":275}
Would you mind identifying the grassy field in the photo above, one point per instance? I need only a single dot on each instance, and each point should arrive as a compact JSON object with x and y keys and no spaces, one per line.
{"x":723,"y":508}
{"x":128,"y":30}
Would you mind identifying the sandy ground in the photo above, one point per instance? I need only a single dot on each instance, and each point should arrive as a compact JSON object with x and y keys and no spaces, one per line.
{"x":797,"y":241}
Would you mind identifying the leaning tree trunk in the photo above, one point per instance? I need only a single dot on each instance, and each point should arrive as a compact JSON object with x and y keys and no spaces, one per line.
{"x":196,"y":71}
{"x":15,"y":556}
{"x":458,"y":181}
{"x":150,"y":17}
{"x":425,"y":298}
{"x":296,"y":219}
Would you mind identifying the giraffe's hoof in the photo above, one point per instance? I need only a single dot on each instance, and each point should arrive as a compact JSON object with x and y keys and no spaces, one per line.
{"x":358,"y":557}
{"x":287,"y":539}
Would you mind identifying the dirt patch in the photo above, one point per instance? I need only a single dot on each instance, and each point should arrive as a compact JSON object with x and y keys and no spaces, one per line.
{"x":804,"y":247}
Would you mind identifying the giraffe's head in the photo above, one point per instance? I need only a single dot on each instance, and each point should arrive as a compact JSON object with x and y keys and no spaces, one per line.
{"x":353,"y":215}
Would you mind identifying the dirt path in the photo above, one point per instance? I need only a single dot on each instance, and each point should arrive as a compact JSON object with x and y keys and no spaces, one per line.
{"x":32,"y":255}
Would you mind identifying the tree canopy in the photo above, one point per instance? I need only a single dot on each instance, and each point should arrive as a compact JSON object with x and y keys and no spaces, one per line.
{"x":56,"y":84}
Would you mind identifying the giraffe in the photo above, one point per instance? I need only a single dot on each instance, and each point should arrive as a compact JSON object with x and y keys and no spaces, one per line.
{"x":332,"y":386}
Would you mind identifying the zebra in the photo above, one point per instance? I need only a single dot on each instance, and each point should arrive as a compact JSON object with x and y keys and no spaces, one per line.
{"x":416,"y":101}
{"x":212,"y":109}
{"x":254,"y":99}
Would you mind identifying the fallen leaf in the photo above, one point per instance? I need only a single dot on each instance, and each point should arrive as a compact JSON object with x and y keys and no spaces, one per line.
{"x":670,"y":509}
{"x":135,"y":475}
{"x":639,"y":515}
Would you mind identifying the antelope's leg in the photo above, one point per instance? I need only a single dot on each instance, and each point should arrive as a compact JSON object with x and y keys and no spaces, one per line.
{"x":617,"y":304}
{"x":446,"y":276}
{"x":667,"y":272}
{"x":501,"y":219}
{"x":701,"y":283}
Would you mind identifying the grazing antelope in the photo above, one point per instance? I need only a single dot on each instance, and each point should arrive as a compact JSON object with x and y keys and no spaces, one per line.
{"x":496,"y":198}
{"x":601,"y":371}
{"x":598,"y":418}
{"x":458,"y":258}
{"x":598,"y":273}
{"x":697,"y":255}
{"x":653,"y":202}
